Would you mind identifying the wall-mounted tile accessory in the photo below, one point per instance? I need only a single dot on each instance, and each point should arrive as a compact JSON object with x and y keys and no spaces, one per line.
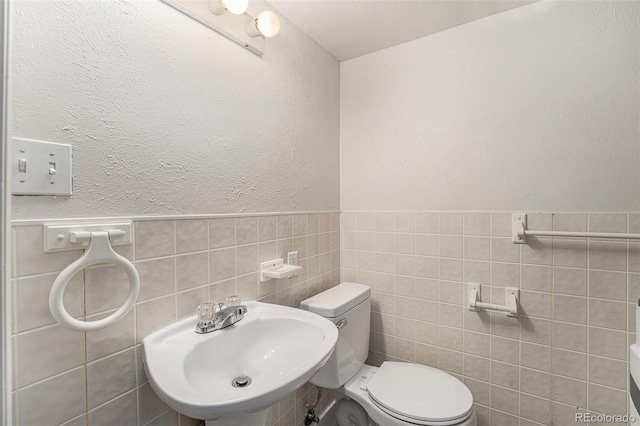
{"x":40,"y":168}
{"x":520,"y":232}
{"x":97,"y":240}
{"x":511,"y":294}
{"x":277,"y":269}
{"x":229,"y":18}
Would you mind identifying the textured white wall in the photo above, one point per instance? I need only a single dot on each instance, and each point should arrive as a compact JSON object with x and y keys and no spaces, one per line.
{"x":535,"y":109}
{"x":168,"y":117}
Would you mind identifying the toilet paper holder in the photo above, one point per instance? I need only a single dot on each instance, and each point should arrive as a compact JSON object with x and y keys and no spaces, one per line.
{"x":512,"y":296}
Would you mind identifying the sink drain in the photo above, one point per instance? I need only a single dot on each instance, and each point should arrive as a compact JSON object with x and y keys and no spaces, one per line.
{"x":241,"y":382}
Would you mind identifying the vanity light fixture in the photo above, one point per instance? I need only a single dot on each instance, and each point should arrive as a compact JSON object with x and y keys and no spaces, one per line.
{"x":238,"y":25}
{"x":237,"y":7}
{"x":266,"y":24}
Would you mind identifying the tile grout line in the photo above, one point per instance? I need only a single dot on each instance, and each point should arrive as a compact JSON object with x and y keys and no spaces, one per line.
{"x":553,"y":317}
{"x":588,"y":374}
{"x":134,"y":254}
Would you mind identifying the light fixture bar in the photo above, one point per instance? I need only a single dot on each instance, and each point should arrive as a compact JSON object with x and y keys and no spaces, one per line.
{"x":229,"y":25}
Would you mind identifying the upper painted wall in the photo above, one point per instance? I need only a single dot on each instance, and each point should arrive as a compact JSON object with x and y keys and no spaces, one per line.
{"x":167,"y":117}
{"x":536,"y":109}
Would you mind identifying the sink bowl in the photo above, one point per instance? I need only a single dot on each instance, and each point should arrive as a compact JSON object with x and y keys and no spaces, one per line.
{"x":277,"y":347}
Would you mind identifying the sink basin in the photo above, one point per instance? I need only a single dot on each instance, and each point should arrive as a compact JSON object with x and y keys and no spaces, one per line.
{"x":278,"y":348}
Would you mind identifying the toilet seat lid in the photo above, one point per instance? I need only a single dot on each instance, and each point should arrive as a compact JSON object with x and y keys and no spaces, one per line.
{"x":423,"y":394}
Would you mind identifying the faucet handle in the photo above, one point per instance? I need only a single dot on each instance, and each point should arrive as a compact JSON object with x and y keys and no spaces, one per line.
{"x":206,"y":311}
{"x":233,"y":300}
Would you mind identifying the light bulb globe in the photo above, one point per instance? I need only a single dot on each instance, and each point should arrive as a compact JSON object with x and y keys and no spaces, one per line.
{"x":237,"y":7}
{"x":268,"y":23}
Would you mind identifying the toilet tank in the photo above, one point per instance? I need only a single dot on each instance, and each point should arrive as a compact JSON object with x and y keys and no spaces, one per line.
{"x":348,"y":305}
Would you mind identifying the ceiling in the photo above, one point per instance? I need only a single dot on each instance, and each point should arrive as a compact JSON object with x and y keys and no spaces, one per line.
{"x":351,"y":28}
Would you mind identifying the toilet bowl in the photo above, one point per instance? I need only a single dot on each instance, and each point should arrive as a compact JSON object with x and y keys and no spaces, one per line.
{"x":394,"y":394}
{"x":392,"y":400}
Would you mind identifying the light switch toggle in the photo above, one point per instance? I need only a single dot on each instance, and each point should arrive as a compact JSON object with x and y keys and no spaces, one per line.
{"x":52,"y":168}
{"x":22,"y":165}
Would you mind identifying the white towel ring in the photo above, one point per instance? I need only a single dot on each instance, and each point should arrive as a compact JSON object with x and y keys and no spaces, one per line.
{"x":99,"y":251}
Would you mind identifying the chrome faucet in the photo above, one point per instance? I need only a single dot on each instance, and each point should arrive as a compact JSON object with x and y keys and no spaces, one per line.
{"x":212,"y":317}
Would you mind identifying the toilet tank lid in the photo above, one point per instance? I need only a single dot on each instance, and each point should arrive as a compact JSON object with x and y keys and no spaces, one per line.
{"x":337,"y":300}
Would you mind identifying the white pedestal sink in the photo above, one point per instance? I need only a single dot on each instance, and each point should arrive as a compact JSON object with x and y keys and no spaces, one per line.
{"x":278,"y":348}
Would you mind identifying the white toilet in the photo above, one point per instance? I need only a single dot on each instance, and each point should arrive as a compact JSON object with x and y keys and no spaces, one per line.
{"x":396,"y":393}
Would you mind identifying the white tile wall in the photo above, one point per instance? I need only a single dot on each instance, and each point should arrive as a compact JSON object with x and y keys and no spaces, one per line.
{"x":567,"y":353}
{"x":71,"y":378}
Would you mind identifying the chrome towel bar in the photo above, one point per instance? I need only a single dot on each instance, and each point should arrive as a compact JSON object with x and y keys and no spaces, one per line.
{"x":520,"y":232}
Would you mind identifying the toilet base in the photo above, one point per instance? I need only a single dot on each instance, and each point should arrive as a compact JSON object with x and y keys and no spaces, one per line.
{"x":248,"y":419}
{"x":355,"y":390}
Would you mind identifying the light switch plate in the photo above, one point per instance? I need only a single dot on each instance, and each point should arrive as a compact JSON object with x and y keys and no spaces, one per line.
{"x":40,"y":168}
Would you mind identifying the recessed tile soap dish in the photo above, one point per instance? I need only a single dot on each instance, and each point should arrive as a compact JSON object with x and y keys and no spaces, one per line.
{"x":277,"y":269}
